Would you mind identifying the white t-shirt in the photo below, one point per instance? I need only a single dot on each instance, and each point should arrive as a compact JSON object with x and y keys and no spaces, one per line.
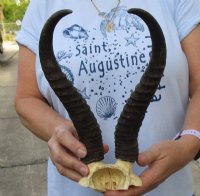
{"x":106,"y":66}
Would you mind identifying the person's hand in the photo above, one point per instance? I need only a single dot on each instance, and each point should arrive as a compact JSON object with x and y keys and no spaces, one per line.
{"x":162,"y":160}
{"x":66,"y":151}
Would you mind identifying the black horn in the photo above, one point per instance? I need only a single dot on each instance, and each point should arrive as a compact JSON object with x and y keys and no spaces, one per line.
{"x":130,"y":120}
{"x":84,"y":121}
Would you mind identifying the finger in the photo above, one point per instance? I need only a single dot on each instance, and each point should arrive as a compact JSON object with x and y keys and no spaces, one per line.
{"x":150,"y":180}
{"x":149,"y":156}
{"x":60,"y":156}
{"x":152,"y":177}
{"x":73,"y":175}
{"x":114,"y":193}
{"x":105,"y":148}
{"x":130,"y":192}
{"x":67,"y":139}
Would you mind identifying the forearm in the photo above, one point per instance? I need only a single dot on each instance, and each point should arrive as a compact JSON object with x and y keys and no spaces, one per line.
{"x":38,"y":116}
{"x":192,"y":122}
{"x":32,"y":108}
{"x":191,"y":47}
{"x":193,"y":112}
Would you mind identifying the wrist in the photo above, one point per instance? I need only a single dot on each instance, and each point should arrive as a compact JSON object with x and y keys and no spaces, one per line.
{"x":56,"y":121}
{"x":191,"y":140}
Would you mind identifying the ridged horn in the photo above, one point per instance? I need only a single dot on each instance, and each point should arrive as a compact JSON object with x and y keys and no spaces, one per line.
{"x":130,"y":120}
{"x":80,"y":113}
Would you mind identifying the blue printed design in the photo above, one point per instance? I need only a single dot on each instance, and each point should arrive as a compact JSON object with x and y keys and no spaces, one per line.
{"x":157,"y":97}
{"x":122,"y":20}
{"x":84,"y":94}
{"x":62,"y":54}
{"x":110,"y":66}
{"x":137,"y":24}
{"x":131,"y":40}
{"x":106,"y":107}
{"x":68,"y":73}
{"x":75,"y":32}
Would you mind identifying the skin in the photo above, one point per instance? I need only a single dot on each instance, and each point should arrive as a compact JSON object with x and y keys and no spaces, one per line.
{"x":162,"y":159}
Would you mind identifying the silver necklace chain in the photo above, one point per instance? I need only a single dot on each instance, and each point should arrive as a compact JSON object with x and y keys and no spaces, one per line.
{"x":109,"y":26}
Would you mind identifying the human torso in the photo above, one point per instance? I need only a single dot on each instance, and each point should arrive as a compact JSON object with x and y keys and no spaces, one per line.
{"x":105,"y":67}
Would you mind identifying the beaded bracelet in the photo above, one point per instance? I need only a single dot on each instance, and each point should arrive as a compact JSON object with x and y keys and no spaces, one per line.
{"x":189,"y":132}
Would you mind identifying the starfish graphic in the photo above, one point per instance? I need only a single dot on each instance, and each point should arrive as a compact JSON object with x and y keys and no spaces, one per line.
{"x":131,"y":40}
{"x":83,"y":93}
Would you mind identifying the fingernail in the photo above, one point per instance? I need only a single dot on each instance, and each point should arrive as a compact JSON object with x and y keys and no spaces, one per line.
{"x":83,"y":171}
{"x":81,"y":153}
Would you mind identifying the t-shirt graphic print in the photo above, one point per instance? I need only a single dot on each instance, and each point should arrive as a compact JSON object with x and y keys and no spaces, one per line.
{"x":106,"y":70}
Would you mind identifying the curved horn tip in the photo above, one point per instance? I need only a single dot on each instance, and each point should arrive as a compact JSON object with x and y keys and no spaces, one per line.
{"x":69,"y":11}
{"x":131,"y":10}
{"x":62,"y":12}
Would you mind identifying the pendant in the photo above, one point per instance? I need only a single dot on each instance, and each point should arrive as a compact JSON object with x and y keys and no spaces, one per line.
{"x":109,"y":27}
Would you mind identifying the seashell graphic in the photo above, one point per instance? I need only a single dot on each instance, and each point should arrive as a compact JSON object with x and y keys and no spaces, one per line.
{"x":75,"y":32}
{"x":63,"y":55}
{"x":106,"y":107}
{"x":68,"y":73}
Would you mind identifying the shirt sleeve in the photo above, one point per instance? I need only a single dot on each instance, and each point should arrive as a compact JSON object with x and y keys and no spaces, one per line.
{"x":30,"y":28}
{"x":187,"y":16}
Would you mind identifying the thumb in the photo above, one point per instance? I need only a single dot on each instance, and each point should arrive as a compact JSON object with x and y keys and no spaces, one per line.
{"x":149,"y":156}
